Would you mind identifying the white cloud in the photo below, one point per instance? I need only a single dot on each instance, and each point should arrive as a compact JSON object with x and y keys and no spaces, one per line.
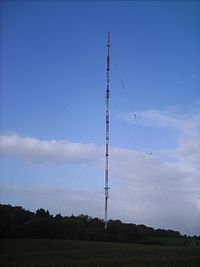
{"x":161,"y":194}
{"x":167,"y":118}
{"x":48,"y":151}
{"x":144,"y":189}
{"x":187,"y":150}
{"x":171,"y":189}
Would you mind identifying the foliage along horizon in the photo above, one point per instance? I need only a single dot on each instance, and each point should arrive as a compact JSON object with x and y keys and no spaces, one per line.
{"x":16,"y":222}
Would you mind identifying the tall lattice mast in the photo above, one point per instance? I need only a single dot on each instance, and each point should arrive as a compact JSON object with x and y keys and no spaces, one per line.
{"x":106,"y":188}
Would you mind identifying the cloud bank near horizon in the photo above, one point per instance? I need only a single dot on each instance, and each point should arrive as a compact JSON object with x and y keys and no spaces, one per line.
{"x":144,"y":188}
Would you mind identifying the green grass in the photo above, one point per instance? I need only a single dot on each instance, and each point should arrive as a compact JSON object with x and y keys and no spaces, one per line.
{"x":170,"y":241}
{"x":64,"y":253}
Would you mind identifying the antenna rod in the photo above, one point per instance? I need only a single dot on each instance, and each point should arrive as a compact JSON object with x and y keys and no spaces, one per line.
{"x":106,"y":188}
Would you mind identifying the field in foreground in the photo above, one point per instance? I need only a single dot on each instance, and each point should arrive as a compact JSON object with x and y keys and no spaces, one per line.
{"x":64,"y":253}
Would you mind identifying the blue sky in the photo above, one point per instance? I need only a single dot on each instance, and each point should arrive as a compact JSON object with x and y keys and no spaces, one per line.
{"x":53,"y":79}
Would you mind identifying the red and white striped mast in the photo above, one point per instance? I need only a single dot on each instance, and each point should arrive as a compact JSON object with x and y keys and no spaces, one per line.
{"x":106,"y":188}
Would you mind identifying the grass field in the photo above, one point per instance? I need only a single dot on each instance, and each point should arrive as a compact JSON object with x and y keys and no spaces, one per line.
{"x":64,"y":253}
{"x":170,"y":241}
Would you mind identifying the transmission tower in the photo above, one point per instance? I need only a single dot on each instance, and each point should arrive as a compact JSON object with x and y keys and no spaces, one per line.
{"x":106,"y":188}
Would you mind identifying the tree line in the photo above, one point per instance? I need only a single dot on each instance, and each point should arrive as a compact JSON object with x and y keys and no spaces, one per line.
{"x":17,"y":222}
